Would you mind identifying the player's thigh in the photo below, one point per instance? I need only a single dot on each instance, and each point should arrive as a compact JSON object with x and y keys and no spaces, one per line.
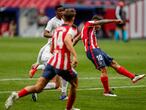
{"x":92,"y":57}
{"x":49,"y":73}
{"x":41,"y":83}
{"x":68,"y":75}
{"x":108,"y":59}
{"x":97,"y":58}
{"x":57,"y":81}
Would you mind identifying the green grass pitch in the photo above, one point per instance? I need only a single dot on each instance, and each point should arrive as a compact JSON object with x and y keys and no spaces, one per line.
{"x":17,"y":55}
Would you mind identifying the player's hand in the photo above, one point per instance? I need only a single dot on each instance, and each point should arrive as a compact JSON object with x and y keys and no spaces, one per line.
{"x":118,"y":21}
{"x":74,"y":62}
{"x":33,"y":70}
{"x":35,"y":65}
{"x":30,"y":73}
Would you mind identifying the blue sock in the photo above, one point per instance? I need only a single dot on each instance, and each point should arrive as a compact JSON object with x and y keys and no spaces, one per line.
{"x":116,"y":35}
{"x":125,"y":35}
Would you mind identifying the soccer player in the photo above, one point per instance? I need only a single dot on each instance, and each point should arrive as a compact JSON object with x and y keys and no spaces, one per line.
{"x":121,"y":28}
{"x":44,"y":55}
{"x":98,"y":57}
{"x":60,"y":63}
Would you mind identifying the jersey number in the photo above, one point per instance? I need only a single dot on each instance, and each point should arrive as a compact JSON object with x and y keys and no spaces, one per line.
{"x":99,"y":57}
{"x":60,"y":33}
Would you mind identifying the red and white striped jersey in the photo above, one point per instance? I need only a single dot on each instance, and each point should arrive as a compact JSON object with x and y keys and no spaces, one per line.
{"x":88,"y":36}
{"x":61,"y":58}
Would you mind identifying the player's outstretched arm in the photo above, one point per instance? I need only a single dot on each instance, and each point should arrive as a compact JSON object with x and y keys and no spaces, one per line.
{"x":100,"y":22}
{"x":69,"y":45}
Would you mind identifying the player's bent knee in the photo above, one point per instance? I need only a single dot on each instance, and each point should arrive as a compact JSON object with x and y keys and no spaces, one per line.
{"x":38,"y":89}
{"x":115,"y":65}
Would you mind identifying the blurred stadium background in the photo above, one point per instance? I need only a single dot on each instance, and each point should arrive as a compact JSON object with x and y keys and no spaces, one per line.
{"x":27,"y":18}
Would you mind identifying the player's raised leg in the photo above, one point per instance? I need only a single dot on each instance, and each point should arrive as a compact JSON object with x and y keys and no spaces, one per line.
{"x":123,"y":71}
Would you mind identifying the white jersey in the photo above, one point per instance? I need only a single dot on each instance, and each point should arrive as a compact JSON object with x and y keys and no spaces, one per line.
{"x":52,"y":25}
{"x":44,"y":53}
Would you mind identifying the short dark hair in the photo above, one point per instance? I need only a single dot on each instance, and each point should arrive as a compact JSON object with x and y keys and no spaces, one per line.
{"x":69,"y":14}
{"x":96,"y":17}
{"x":58,"y":6}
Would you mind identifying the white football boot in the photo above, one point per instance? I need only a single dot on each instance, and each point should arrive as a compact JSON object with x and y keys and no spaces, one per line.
{"x":74,"y":109}
{"x":137,"y":78}
{"x":9,"y":102}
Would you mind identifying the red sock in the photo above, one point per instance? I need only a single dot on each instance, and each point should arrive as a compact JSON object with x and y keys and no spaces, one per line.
{"x":105,"y":84}
{"x":70,"y":102}
{"x":123,"y":71}
{"x":22,"y":92}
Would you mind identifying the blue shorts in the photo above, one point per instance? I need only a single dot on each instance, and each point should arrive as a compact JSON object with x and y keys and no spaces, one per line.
{"x":99,"y":58}
{"x":50,"y":72}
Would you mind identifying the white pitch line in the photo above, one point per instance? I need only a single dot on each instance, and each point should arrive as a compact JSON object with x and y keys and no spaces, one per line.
{"x":116,"y":87}
{"x":91,"y":89}
{"x":82,"y":78}
{"x":17,"y":79}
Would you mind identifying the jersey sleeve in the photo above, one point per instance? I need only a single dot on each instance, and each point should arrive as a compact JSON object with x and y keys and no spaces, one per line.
{"x":49,"y":26}
{"x":90,"y":22}
{"x":73,"y":32}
